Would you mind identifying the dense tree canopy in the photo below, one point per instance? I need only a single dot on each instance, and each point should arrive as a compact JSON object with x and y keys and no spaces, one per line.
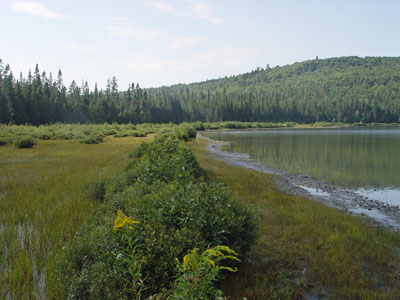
{"x":346,"y":89}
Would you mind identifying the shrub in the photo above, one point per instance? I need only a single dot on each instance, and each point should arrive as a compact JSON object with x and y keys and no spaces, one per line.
{"x":92,"y":139}
{"x":44,"y":136}
{"x":185,"y":132}
{"x":164,"y":210}
{"x":24,"y":142}
{"x":209,"y":210}
{"x":138,"y":133}
{"x":198,"y":125}
{"x":121,"y":134}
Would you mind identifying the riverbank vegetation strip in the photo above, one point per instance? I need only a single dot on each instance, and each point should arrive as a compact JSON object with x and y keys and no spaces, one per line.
{"x":304,"y":247}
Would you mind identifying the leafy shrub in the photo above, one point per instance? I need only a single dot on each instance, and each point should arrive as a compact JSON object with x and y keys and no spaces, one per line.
{"x":162,"y":189}
{"x":138,"y":133}
{"x":121,"y":134}
{"x":3,"y":141}
{"x":90,"y":139}
{"x":24,"y":142}
{"x":199,"y":126}
{"x":207,"y":209}
{"x":185,"y":132}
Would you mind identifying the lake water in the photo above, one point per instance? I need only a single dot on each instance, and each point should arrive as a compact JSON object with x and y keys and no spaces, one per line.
{"x":365,"y":160}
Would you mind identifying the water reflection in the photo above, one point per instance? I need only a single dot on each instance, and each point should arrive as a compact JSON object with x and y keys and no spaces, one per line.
{"x":361,"y":159}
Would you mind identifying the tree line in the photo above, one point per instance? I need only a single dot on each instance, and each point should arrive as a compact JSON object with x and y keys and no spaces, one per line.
{"x":345,"y":89}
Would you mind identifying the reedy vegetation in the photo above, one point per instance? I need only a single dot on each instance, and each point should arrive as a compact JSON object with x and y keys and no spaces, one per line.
{"x":43,"y":203}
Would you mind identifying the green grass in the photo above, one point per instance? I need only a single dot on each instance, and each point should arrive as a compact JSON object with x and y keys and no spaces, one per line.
{"x":305,"y":247}
{"x":43,"y":203}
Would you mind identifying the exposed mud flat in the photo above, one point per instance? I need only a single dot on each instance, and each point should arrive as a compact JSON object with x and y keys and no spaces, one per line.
{"x":373,"y":211}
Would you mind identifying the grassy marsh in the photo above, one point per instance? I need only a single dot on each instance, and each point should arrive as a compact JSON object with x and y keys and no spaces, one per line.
{"x":303,"y":248}
{"x":42,"y":203}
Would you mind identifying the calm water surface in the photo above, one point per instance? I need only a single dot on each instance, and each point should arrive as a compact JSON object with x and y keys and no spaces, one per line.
{"x":363,"y":159}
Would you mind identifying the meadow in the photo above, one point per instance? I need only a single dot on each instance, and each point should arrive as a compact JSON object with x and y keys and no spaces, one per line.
{"x":43,"y":203}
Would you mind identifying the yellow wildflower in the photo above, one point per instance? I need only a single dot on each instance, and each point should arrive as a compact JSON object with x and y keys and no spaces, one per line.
{"x":226,"y":249}
{"x":123,"y":220}
{"x":209,"y":261}
{"x":190,"y":259}
{"x":229,"y":269}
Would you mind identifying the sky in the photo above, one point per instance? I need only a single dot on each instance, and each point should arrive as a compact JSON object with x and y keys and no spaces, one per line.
{"x":164,"y":42}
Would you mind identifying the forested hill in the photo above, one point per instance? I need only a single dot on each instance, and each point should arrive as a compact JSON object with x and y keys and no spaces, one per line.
{"x":346,"y":89}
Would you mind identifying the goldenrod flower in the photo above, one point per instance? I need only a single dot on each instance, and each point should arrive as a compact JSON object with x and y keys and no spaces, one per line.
{"x":123,"y":220}
{"x":193,"y":260}
{"x":226,"y":249}
{"x":190,"y":259}
{"x":209,"y":261}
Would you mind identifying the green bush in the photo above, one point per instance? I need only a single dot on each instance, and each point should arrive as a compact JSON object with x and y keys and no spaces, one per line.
{"x":185,"y":132}
{"x":163,"y":190}
{"x":207,"y":209}
{"x":24,"y":142}
{"x":121,"y":134}
{"x":138,"y":133}
{"x":93,"y":139}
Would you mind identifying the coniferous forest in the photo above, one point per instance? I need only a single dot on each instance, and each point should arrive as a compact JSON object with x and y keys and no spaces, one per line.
{"x":345,"y":89}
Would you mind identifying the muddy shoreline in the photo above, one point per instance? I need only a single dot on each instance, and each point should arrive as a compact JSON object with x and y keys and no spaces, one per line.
{"x":372,"y":211}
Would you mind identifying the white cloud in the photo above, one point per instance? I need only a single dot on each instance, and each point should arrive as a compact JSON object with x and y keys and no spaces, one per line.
{"x":203,"y":11}
{"x":162,"y":5}
{"x":181,"y":42}
{"x":80,"y":47}
{"x":36,"y":9}
{"x":127,"y":32}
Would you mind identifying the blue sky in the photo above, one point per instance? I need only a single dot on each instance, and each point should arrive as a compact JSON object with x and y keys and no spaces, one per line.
{"x":164,"y":42}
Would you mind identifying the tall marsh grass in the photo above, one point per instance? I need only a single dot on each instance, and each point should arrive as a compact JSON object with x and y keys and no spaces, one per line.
{"x":43,"y":203}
